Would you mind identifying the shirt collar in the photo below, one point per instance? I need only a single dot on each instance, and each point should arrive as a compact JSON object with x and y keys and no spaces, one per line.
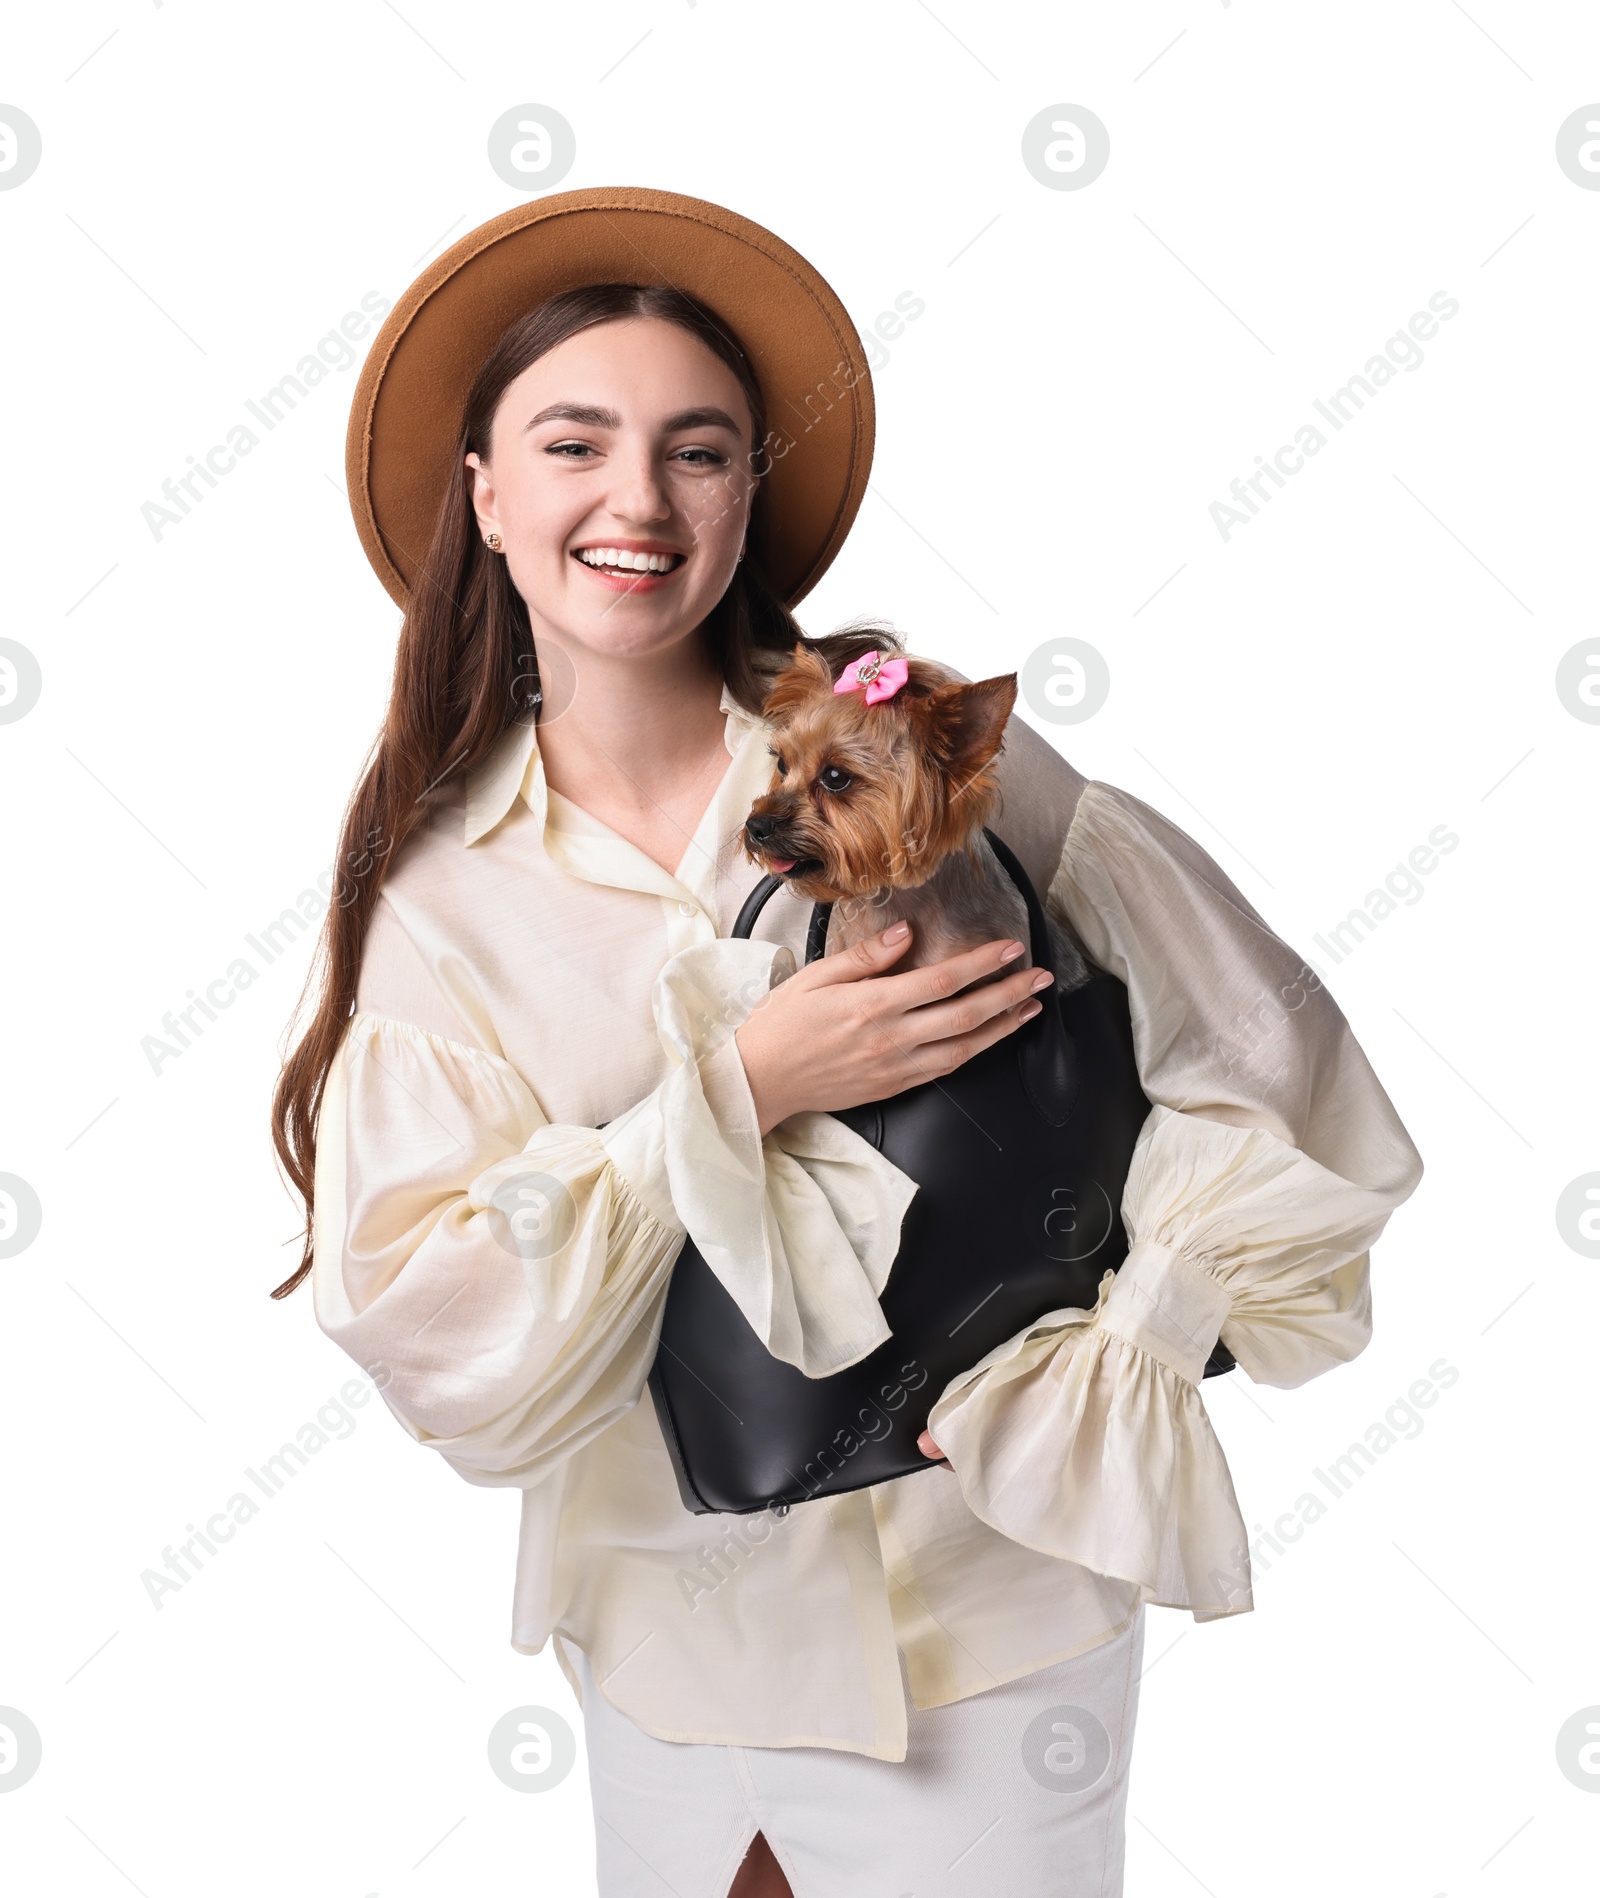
{"x":515,"y":766}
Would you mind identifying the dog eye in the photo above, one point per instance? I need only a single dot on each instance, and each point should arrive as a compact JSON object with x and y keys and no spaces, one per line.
{"x":777,"y":762}
{"x":833,"y":779}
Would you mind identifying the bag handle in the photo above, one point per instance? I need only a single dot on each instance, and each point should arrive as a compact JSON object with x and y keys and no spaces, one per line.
{"x":817,"y":933}
{"x":1045,"y":1054}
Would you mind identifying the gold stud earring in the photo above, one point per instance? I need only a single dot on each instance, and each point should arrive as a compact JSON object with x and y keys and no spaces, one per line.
{"x":493,"y":542}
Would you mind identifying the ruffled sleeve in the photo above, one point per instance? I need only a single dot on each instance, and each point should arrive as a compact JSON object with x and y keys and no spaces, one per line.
{"x":1270,"y":1162}
{"x":801,"y":1227}
{"x":499,"y":1275}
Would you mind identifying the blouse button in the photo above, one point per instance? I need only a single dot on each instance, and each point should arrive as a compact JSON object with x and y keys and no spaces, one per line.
{"x":688,"y":909}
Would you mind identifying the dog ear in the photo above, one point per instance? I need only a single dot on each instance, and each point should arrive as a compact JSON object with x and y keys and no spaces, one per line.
{"x":805,"y":675}
{"x":964,"y":726}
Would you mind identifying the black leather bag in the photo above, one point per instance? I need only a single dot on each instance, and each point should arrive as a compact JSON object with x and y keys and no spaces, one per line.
{"x":1020,"y":1156}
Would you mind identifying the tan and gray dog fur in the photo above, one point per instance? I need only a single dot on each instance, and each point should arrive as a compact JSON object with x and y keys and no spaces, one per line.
{"x":880,"y":810}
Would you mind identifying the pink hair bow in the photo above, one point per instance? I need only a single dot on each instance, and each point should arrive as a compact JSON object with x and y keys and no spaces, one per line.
{"x":880,"y":677}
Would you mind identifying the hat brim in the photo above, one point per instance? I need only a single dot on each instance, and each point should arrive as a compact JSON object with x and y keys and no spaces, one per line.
{"x":406,"y":415}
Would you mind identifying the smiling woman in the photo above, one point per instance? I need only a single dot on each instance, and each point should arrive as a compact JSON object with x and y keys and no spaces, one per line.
{"x":531,"y":1074}
{"x":597,"y":504}
{"x":617,"y":484}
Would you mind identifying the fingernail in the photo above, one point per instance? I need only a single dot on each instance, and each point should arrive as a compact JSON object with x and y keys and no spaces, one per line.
{"x":1011,"y":951}
{"x":1030,"y":1010}
{"x":1042,"y":980}
{"x":896,"y":932}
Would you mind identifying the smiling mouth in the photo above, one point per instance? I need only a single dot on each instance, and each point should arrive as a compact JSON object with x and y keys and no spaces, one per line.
{"x":623,"y":562}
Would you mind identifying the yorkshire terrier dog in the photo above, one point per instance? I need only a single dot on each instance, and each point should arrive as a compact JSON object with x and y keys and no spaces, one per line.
{"x":883,"y":783}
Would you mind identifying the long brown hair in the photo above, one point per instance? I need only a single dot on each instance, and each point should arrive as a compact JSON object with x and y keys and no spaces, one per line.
{"x":465,"y":669}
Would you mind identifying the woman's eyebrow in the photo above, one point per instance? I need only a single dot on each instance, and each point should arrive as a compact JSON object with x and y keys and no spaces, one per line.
{"x":586,"y":415}
{"x":701,"y":418}
{"x":583,"y":413}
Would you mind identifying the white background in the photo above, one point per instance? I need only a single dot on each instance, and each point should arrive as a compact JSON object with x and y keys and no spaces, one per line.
{"x":1372,"y":656}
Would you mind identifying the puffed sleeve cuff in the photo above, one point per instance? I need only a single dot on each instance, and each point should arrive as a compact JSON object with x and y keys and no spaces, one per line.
{"x":801,"y":1227}
{"x":1085,"y":1436}
{"x":1074,"y":1439}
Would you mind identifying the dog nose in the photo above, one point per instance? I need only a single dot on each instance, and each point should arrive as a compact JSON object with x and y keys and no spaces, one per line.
{"x":759,"y":829}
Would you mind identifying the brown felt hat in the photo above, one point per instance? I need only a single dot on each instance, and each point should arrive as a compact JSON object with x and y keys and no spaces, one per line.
{"x":406,"y":417}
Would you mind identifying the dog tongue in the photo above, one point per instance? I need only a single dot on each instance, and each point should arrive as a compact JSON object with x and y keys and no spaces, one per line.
{"x":780,"y":864}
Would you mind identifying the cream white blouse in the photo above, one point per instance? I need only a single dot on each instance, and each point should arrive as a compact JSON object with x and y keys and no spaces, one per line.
{"x":497,"y":1264}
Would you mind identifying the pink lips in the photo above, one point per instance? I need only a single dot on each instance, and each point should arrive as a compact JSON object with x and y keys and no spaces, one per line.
{"x":638,"y":581}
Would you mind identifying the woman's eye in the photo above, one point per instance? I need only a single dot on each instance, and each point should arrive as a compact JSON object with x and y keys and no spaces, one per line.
{"x":574,"y":451}
{"x":833,"y":779}
{"x":708,"y":456}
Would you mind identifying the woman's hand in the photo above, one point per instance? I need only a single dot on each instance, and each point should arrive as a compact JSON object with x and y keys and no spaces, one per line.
{"x":840,"y":1031}
{"x":928,"y":1447}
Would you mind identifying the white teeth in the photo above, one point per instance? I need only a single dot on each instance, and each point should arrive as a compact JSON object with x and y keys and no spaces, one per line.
{"x":622,"y":557}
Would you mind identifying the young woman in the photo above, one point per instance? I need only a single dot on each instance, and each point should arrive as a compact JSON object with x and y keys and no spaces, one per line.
{"x":538,"y":1059}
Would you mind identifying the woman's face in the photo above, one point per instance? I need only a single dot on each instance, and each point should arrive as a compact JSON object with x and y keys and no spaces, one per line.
{"x":618,"y":478}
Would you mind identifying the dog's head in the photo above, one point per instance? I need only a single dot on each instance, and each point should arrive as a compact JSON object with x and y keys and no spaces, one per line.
{"x":868,"y":796}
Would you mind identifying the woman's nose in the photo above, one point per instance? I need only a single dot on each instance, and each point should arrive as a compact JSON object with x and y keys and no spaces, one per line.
{"x":639,"y":493}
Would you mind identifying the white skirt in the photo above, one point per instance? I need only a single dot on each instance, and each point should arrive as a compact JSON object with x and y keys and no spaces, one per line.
{"x":1021,"y":1789}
